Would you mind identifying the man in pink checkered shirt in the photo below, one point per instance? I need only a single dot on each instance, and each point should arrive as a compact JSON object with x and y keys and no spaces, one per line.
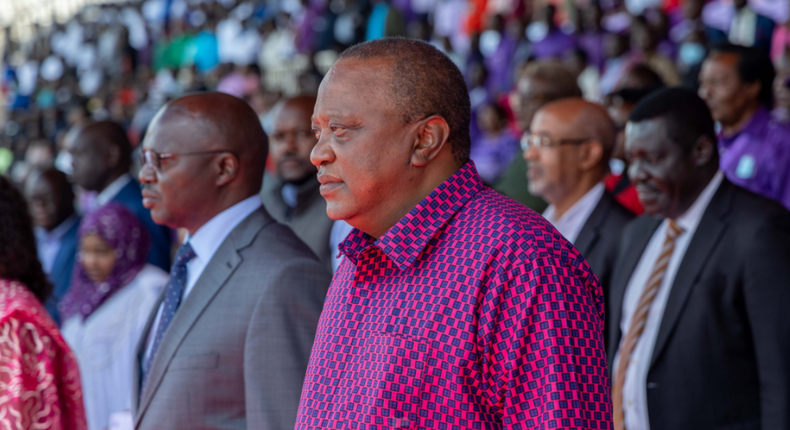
{"x":454,"y":307}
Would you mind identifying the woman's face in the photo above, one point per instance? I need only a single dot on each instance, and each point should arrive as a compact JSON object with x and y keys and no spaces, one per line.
{"x":96,"y":257}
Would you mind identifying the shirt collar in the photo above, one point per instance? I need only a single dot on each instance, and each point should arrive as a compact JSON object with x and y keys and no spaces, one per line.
{"x":58,"y":232}
{"x":209,"y":237}
{"x":112,"y":190}
{"x":691,"y":218}
{"x":757,"y":122}
{"x":406,"y":240}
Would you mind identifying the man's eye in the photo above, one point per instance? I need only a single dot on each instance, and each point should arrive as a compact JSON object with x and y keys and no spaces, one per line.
{"x":317,"y":134}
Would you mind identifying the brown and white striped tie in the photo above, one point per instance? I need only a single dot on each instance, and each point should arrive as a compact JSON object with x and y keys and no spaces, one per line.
{"x":639,"y":320}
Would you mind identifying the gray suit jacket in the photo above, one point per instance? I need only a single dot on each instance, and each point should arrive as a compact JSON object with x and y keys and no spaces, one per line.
{"x":236,"y":352}
{"x":308,"y":220}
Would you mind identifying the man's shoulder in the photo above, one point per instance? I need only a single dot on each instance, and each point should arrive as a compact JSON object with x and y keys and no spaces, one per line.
{"x":512,"y":225}
{"x":617,"y":216}
{"x":273,"y":241}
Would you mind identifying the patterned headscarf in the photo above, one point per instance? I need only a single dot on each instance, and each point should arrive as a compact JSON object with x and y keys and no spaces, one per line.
{"x":123,"y":232}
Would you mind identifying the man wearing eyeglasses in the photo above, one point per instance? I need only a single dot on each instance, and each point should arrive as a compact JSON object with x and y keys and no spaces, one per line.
{"x":292,"y":194}
{"x":567,"y":154}
{"x":228,"y":345}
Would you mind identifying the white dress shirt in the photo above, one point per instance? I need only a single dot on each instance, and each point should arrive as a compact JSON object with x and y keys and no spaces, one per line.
{"x":338,"y":234}
{"x":104,"y":345}
{"x":635,"y":388}
{"x":112,"y":190}
{"x":572,"y":221}
{"x":48,"y":242}
{"x":205,"y":242}
{"x":743,"y":27}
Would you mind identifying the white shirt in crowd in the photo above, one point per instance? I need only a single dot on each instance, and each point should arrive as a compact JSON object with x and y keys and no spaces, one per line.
{"x":48,"y":242}
{"x":205,"y":242}
{"x":105,"y":343}
{"x":572,"y":221}
{"x":635,"y":388}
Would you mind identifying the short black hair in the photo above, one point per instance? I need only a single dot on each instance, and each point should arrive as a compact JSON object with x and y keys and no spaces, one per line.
{"x":685,"y":115}
{"x":754,"y":65}
{"x":424,"y":82}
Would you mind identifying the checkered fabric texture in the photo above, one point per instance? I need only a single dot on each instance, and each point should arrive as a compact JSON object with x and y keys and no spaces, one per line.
{"x":472,"y":312}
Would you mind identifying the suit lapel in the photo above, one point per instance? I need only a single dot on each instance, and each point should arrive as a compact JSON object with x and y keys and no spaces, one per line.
{"x":213,"y":278}
{"x":706,"y":237}
{"x":591,"y":230}
{"x":645,"y":228}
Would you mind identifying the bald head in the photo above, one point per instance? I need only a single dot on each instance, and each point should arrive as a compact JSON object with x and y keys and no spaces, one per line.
{"x":575,"y":139}
{"x":218,"y":121}
{"x":219,"y":151}
{"x":588,"y":119}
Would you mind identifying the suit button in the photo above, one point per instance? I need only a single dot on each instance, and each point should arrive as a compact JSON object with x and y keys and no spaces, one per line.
{"x":652,"y":385}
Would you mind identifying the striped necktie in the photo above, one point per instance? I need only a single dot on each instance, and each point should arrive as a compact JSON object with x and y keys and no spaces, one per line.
{"x":639,"y":320}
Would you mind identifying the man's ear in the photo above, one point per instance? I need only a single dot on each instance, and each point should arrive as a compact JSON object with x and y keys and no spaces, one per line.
{"x":227,"y":168}
{"x":590,"y":154}
{"x":432,"y":135}
{"x":703,"y":151}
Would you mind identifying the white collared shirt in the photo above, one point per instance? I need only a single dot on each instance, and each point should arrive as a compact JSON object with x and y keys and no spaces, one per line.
{"x":112,"y":190}
{"x":206,"y":241}
{"x":48,"y":242}
{"x":635,"y":388}
{"x":743,"y":27}
{"x":572,"y":221}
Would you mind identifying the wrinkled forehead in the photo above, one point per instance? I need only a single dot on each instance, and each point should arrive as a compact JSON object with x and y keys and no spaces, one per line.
{"x":353,"y":87}
{"x":647,"y":135}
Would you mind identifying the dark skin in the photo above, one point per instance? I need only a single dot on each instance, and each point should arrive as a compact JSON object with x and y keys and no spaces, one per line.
{"x":293,"y":141}
{"x":667,"y":179}
{"x":533,"y":93}
{"x":51,"y":200}
{"x":189,"y":190}
{"x":731,"y":101}
{"x":96,"y":159}
{"x":364,"y":148}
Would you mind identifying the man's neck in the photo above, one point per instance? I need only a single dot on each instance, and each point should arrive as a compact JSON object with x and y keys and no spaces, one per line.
{"x":564,"y":204}
{"x":735,"y":128}
{"x":110,"y":179}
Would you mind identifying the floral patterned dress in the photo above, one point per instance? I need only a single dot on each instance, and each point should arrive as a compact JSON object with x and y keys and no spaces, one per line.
{"x":39,"y":377}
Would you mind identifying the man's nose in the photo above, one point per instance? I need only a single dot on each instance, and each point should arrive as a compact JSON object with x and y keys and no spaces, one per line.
{"x":636,"y":172}
{"x":147,"y":174}
{"x":322,"y":153}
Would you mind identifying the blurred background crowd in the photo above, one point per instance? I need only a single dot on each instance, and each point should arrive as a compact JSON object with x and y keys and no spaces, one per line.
{"x":79,"y":88}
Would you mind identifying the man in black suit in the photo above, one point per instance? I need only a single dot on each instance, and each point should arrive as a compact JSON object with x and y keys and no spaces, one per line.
{"x":567,"y":157}
{"x":701,"y":286}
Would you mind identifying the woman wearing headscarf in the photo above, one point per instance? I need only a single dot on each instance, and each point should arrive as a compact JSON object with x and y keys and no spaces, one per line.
{"x":39,"y":378}
{"x":104,"y":313}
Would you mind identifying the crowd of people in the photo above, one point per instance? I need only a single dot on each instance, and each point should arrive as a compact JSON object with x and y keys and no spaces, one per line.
{"x":275,"y":215}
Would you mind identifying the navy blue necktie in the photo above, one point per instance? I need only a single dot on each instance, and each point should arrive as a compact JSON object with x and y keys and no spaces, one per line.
{"x":173,"y":293}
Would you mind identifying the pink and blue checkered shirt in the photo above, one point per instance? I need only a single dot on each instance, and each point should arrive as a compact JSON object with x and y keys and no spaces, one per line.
{"x":471,"y":313}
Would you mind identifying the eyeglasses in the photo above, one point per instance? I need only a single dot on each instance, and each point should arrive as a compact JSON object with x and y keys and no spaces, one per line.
{"x":537,"y":141}
{"x":155,"y":158}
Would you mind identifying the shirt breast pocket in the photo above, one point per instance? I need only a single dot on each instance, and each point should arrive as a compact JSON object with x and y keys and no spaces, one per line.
{"x":388,"y":385}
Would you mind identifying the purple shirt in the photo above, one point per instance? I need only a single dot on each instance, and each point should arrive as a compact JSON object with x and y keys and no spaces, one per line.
{"x":493,"y":154}
{"x":758,"y":157}
{"x":555,"y":45}
{"x":593,"y":44}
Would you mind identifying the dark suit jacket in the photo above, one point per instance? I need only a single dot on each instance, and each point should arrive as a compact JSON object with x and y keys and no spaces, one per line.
{"x":161,"y":237}
{"x":722,"y":355}
{"x":599,"y":241}
{"x":308,"y":220}
{"x":60,"y":276}
{"x":236,"y":352}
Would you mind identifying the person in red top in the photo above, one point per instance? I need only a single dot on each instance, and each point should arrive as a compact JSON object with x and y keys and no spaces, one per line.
{"x":39,"y":378}
{"x":454,"y":307}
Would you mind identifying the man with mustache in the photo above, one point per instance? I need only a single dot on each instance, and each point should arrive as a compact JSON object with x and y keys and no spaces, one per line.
{"x":292,"y":196}
{"x":567,"y":152}
{"x":454,"y":307}
{"x":700,"y":291}
{"x":227,"y":346}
